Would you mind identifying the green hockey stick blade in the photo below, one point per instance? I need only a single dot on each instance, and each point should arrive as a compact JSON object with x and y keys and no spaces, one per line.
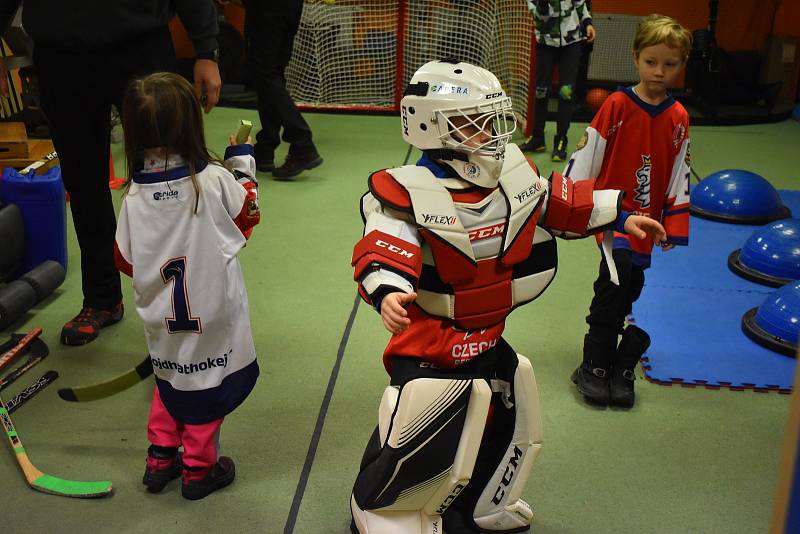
{"x":71,"y":488}
{"x":108,"y":388}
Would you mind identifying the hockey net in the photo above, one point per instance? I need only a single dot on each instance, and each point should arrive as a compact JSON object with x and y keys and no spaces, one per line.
{"x":360,"y":54}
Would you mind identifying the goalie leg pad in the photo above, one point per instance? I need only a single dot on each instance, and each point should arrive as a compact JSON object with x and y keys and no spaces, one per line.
{"x":429,"y":434}
{"x":513,"y":441}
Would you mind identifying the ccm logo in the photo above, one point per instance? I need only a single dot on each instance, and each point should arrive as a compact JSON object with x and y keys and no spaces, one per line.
{"x":489,"y":231}
{"x":493,"y":95}
{"x":564,"y":190}
{"x":450,"y":498}
{"x":508,"y":476}
{"x":405,"y":121}
{"x":394,"y":248}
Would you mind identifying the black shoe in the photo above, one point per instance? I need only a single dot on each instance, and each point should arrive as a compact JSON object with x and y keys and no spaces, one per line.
{"x":221,"y":474}
{"x":85,"y":327}
{"x":560,"y":148}
{"x":632,"y":346}
{"x":297,"y":163}
{"x":593,"y":383}
{"x":265,"y":165}
{"x":534,"y":144}
{"x":163,"y":464}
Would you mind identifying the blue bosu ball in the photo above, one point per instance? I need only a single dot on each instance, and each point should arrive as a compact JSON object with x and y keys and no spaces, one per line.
{"x":776,"y":323}
{"x":796,"y":113}
{"x":737,"y":196}
{"x":771,"y":255}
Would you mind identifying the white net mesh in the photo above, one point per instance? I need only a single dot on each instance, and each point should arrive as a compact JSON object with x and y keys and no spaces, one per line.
{"x":346,"y":53}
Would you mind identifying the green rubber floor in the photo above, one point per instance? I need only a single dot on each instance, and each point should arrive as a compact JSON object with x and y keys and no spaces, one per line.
{"x":683,"y":460}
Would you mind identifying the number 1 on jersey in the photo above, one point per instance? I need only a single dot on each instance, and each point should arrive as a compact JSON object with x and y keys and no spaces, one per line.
{"x":181,"y":320}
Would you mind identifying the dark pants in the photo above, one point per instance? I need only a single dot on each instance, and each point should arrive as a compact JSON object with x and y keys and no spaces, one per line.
{"x":269,"y":33}
{"x":77,"y":90}
{"x":568,"y":58}
{"x":609,"y":307}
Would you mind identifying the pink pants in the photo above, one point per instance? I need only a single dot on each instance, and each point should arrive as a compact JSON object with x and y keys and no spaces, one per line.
{"x":200,"y":442}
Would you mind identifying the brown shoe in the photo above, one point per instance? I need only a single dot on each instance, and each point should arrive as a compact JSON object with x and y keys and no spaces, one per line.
{"x":86,"y":326}
{"x":163,"y":464}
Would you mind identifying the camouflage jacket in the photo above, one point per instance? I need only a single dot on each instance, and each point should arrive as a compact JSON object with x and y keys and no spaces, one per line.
{"x":560,"y":22}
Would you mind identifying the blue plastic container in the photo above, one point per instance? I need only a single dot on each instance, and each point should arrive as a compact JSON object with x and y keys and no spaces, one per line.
{"x":737,"y":196}
{"x":40,"y":198}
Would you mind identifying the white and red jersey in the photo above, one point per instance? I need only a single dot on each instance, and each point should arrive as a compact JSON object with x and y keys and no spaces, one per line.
{"x":471,"y":254}
{"x":189,"y":288}
{"x":643,"y":150}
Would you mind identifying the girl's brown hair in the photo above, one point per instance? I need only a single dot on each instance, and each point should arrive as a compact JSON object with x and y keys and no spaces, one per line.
{"x":162,"y":111}
{"x":659,"y":29}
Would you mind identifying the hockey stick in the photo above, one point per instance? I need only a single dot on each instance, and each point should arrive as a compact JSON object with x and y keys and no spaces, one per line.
{"x":21,"y":345}
{"x":39,"y":352}
{"x":48,"y":483}
{"x":42,"y":382}
{"x":110,"y":387}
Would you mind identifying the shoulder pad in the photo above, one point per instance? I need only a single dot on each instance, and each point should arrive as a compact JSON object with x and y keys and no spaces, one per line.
{"x":388,"y":191}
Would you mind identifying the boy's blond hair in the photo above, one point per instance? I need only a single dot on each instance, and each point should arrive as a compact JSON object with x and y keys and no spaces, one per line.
{"x":659,"y":29}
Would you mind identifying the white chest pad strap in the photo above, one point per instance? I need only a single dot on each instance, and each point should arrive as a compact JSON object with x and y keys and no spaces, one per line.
{"x":433,"y":206}
{"x":523,"y":189}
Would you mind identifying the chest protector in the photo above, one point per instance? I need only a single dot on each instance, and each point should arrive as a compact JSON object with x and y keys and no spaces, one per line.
{"x":480,"y":292}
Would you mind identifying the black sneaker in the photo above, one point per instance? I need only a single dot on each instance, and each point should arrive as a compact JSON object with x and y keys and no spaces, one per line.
{"x":162,"y":465}
{"x":534,"y":144}
{"x":220,"y":475}
{"x":593,"y":384}
{"x":297,"y":163}
{"x":560,"y":148}
{"x":85,"y":327}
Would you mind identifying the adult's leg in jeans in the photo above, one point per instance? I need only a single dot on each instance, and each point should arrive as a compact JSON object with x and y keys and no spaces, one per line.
{"x":78,"y":112}
{"x":545,"y":57}
{"x":568,"y":59}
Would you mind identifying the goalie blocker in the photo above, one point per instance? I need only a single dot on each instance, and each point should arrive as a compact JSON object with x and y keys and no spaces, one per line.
{"x":453,"y":448}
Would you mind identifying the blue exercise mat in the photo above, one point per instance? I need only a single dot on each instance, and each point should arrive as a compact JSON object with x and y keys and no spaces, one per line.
{"x":692,"y":307}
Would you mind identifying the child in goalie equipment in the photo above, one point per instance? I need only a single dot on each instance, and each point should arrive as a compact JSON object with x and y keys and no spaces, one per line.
{"x":451,"y":245}
{"x":183,"y":221}
{"x":638,"y":142}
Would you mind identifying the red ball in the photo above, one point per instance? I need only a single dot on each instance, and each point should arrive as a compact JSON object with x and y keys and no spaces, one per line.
{"x":595,"y":98}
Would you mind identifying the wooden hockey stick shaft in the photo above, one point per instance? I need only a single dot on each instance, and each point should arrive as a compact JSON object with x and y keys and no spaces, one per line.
{"x":25,"y":395}
{"x":21,"y":345}
{"x":42,"y":481}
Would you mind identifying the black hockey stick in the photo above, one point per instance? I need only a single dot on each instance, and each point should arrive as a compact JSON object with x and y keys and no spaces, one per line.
{"x":19,"y":371}
{"x":43,"y":381}
{"x":110,"y":387}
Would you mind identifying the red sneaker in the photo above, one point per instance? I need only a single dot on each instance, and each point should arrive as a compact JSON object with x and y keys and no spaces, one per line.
{"x":85,"y":326}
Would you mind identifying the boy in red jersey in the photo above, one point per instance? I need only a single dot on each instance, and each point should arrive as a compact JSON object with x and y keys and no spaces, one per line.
{"x":639,"y":143}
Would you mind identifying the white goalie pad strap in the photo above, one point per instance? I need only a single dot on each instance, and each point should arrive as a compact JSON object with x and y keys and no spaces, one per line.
{"x":433,"y":206}
{"x":499,"y":507}
{"x":607,"y":246}
{"x":383,"y":277}
{"x":523,"y":189}
{"x":606,"y":208}
{"x":407,"y":419}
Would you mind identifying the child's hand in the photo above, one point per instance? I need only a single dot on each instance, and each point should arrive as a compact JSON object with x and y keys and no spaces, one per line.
{"x":232,"y":140}
{"x":393,"y":312}
{"x":641,"y":227}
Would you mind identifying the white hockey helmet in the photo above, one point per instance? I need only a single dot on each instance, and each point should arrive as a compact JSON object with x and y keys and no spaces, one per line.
{"x":458,"y":113}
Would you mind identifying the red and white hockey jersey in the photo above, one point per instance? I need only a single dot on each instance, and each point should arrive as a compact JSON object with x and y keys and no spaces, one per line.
{"x":643,"y":150}
{"x":471,"y":254}
{"x":189,"y":288}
